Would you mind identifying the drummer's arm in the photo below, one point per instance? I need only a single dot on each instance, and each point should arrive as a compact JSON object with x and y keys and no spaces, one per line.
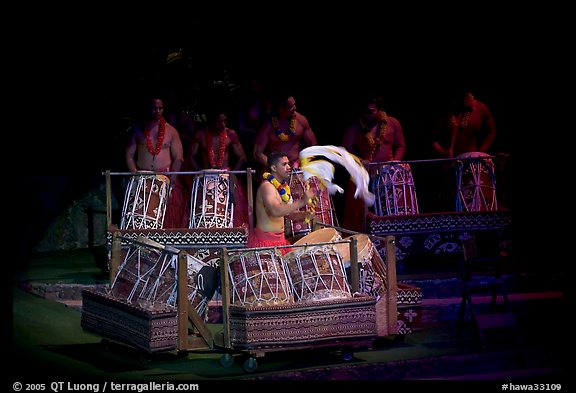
{"x":308,"y":199}
{"x":491,"y":131}
{"x":274,"y":206}
{"x":260,"y":144}
{"x":399,"y":143}
{"x":308,"y":135}
{"x":193,"y":151}
{"x":176,"y":155}
{"x":453,"y":134}
{"x":238,"y":150}
{"x":130,"y":153}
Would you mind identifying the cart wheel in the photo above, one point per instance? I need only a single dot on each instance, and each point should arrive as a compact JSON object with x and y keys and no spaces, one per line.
{"x":400,"y":338}
{"x":144,"y":357}
{"x":347,"y":355}
{"x":250,"y":365}
{"x":106,"y":344}
{"x":226,"y":360}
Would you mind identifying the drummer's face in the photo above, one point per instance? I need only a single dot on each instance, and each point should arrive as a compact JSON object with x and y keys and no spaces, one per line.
{"x":283,"y":168}
{"x":372,"y":112}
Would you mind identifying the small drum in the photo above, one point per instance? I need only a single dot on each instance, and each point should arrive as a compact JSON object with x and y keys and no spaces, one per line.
{"x":145,"y":202}
{"x":258,"y":278}
{"x":395,"y":190}
{"x":371,"y":267}
{"x":475,"y":183}
{"x":211,"y":202}
{"x":148,"y":277}
{"x":316,"y":270}
{"x":323,"y":211}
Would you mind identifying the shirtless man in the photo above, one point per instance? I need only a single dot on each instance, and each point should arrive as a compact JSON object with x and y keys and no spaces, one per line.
{"x":287,"y":130}
{"x":211,"y":148}
{"x":155,"y":146}
{"x":214,"y":144}
{"x":375,"y":137}
{"x":470,"y":128}
{"x":274,"y":202}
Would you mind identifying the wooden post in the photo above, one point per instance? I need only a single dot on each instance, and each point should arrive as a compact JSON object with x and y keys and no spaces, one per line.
{"x":354,"y":273}
{"x":115,"y":255}
{"x":108,"y":200}
{"x":391,"y":284}
{"x":90,"y":215}
{"x":182,"y":302}
{"x":225,"y":290}
{"x":199,"y":324}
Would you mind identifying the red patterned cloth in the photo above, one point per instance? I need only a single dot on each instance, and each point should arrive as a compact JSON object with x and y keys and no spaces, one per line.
{"x":240,"y":202}
{"x":177,"y":209}
{"x":259,"y":238}
{"x":355,"y":212}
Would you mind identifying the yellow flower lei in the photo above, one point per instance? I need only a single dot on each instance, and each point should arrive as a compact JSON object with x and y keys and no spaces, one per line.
{"x":282,"y":135}
{"x":373,"y":143}
{"x":283,"y":188}
{"x":463,"y":121}
{"x":311,"y":205}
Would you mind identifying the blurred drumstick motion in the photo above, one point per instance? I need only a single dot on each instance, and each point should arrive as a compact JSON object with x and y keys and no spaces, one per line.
{"x":324,"y":170}
{"x":312,"y":202}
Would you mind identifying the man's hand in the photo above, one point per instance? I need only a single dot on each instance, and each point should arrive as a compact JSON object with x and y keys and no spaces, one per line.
{"x":310,"y":196}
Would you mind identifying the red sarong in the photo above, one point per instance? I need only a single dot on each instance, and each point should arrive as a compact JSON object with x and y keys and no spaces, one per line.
{"x":259,"y":238}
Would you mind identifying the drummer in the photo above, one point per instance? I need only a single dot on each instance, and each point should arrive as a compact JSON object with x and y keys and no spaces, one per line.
{"x":218,"y":147}
{"x":287,"y":130}
{"x":469,"y":128}
{"x":155,"y":145}
{"x":374,"y":137}
{"x":274,"y":202}
{"x":213,"y":145}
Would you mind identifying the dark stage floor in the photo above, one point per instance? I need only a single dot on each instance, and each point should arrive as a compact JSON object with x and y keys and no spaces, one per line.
{"x":50,"y":345}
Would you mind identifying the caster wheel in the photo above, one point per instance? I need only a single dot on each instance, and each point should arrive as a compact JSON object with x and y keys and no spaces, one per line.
{"x":347,"y":353}
{"x":226,"y":360}
{"x":106,"y":344}
{"x":400,"y":339}
{"x":144,"y":358}
{"x":347,"y":356}
{"x":250,"y":365}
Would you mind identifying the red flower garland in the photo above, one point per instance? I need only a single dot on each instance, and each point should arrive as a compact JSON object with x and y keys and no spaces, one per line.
{"x":210,"y":147}
{"x":161,"y":132}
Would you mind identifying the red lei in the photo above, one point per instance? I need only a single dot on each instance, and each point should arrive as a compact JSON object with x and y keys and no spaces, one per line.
{"x":210,"y":147}
{"x":161,"y":132}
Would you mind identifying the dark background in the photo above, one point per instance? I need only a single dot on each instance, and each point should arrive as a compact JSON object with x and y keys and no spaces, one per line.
{"x":81,"y":78}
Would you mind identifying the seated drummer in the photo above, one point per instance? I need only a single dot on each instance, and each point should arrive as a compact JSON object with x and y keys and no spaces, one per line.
{"x":274,"y":202}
